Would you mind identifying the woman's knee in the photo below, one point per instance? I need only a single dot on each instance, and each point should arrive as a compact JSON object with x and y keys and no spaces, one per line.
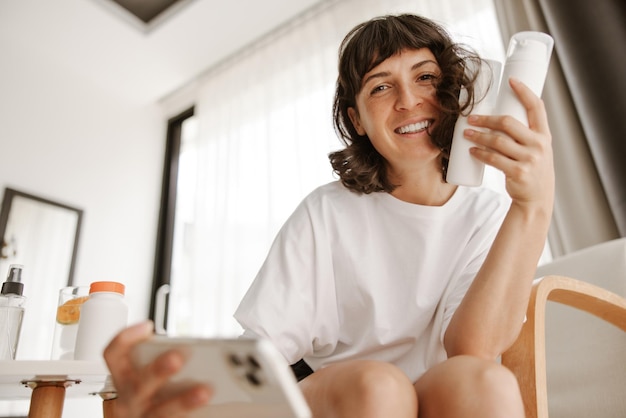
{"x":466,"y":383}
{"x":365,"y":388}
{"x":380,"y":380}
{"x":493,"y":381}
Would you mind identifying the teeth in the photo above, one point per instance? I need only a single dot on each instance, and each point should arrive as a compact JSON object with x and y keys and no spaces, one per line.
{"x":413,"y":128}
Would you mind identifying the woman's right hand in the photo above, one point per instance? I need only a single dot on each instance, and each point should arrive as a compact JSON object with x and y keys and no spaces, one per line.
{"x":138,"y":388}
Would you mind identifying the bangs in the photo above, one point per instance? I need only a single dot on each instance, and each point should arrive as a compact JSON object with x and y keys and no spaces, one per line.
{"x":385,"y":37}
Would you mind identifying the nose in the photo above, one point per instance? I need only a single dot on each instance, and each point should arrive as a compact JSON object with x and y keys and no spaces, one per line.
{"x":408,"y":97}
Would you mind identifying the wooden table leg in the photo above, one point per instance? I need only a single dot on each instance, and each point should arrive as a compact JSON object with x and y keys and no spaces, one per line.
{"x":47,"y":399}
{"x":108,"y":404}
{"x":109,"y":396}
{"x":108,"y":408}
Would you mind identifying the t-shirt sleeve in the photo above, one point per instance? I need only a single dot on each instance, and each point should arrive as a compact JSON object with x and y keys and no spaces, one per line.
{"x":293,"y":294}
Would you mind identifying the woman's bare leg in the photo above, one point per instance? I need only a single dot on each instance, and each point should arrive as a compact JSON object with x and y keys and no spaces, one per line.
{"x":465,"y":386}
{"x":360,"y":388}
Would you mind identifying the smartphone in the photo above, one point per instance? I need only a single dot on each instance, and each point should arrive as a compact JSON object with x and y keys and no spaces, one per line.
{"x":250,"y":378}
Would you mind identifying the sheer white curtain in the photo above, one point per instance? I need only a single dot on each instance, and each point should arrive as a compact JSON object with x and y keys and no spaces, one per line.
{"x":259,"y":144}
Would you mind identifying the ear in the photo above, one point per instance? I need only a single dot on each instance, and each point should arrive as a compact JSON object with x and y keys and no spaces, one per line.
{"x":356,"y":121}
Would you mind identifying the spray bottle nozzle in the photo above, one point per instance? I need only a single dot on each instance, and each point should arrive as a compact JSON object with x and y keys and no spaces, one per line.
{"x":13,"y":284}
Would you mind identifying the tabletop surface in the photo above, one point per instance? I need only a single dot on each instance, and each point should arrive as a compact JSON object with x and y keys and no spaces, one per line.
{"x":84,"y":377}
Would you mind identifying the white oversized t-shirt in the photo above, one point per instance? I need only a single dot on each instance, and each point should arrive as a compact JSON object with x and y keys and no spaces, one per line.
{"x":368,"y":276}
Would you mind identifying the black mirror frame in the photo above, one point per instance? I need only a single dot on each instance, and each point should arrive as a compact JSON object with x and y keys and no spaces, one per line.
{"x":5,"y":210}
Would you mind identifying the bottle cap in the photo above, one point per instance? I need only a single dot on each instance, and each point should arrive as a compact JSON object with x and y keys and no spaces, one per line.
{"x":13,"y":285}
{"x":107,"y":287}
{"x":530,"y":46}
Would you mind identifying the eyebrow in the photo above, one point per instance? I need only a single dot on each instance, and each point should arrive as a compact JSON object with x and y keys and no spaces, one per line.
{"x":387,"y":73}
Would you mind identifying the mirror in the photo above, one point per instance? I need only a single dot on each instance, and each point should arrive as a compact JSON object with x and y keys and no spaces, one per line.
{"x":42,"y":235}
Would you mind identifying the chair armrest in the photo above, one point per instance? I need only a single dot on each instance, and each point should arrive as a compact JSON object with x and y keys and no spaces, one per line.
{"x":526,"y":358}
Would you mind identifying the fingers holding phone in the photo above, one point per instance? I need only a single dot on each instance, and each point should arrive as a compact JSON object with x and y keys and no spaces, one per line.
{"x":138,"y":388}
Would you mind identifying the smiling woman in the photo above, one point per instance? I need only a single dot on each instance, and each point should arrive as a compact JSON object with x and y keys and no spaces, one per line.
{"x":257,"y":143}
{"x":398,"y":98}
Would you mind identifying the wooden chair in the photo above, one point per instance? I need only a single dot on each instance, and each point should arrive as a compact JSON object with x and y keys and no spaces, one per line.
{"x":526,"y":358}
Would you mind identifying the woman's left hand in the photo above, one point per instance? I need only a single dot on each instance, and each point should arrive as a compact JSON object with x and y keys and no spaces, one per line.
{"x":523,"y":154}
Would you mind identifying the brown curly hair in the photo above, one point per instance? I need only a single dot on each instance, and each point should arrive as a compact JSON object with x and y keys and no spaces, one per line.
{"x":359,"y":166}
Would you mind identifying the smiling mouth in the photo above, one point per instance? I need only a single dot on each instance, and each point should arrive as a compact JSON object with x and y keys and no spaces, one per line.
{"x":414,"y":127}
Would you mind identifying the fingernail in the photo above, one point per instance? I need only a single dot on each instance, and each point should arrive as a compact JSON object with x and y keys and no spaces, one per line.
{"x":469,"y":132}
{"x":472,"y":118}
{"x":171,"y":363}
{"x":200,"y":396}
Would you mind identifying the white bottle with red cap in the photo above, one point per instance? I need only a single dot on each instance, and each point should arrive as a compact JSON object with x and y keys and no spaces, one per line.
{"x":102,"y":316}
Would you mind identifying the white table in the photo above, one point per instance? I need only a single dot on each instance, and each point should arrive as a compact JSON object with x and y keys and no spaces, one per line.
{"x":47,"y":382}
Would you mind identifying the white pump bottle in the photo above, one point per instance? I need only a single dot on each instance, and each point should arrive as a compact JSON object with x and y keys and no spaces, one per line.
{"x":527,"y":59}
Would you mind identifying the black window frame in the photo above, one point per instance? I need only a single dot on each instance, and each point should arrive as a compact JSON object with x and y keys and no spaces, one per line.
{"x":167,"y":209}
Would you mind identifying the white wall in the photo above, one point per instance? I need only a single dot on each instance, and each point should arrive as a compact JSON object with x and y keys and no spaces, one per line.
{"x":64,"y":137}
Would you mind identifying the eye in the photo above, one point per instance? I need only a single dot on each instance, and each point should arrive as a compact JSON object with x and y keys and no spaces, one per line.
{"x":379,"y":88}
{"x":427,"y":78}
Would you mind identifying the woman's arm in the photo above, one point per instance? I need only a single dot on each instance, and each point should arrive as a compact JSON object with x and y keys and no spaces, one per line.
{"x":490,"y":316}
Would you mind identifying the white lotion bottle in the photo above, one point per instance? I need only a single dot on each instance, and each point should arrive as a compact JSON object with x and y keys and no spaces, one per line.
{"x":463,"y":169}
{"x":102,"y":316}
{"x":527,"y":59}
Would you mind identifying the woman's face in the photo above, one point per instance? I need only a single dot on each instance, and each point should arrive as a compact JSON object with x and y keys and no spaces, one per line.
{"x":397,"y":107}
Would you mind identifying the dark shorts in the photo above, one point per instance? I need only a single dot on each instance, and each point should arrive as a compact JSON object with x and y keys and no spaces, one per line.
{"x":301,"y":369}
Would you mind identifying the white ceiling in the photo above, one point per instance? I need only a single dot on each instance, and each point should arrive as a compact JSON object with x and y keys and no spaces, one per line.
{"x":104,"y":45}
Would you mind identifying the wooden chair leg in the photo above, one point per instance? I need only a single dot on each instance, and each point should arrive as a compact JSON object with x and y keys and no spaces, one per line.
{"x":526,"y":359}
{"x":47,"y":400}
